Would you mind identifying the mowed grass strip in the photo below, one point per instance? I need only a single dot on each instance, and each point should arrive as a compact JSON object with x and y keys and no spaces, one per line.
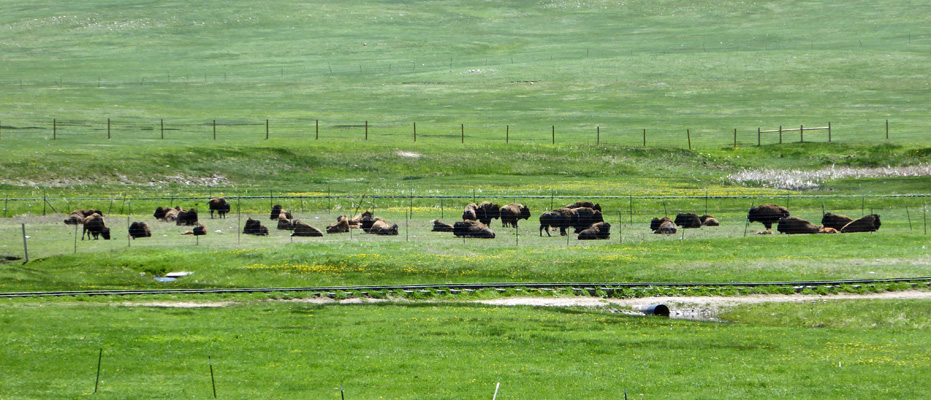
{"x":283,"y":350}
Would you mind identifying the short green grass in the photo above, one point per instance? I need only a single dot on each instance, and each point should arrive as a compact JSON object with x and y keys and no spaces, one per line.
{"x":448,"y":350}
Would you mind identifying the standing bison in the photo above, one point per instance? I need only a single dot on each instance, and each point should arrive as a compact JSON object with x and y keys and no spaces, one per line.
{"x":187,"y":217}
{"x":513,"y":212}
{"x":220,"y":205}
{"x":77,"y":216}
{"x":767,"y":214}
{"x":558,"y":218}
{"x":483,"y":212}
{"x":588,"y":204}
{"x":94,"y":225}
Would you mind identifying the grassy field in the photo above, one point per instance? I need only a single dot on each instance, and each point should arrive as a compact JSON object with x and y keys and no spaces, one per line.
{"x":450,"y":350}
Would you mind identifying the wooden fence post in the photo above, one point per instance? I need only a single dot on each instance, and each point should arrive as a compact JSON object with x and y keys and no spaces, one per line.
{"x":507,"y":134}
{"x":415,"y":132}
{"x":644,"y":138}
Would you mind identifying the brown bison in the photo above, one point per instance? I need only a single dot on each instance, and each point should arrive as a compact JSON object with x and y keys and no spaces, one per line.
{"x":869,"y":223}
{"x":796,"y":225}
{"x":284,"y":223}
{"x":584,"y":217}
{"x":835,"y":221}
{"x":187,"y":218}
{"x":301,"y":228}
{"x":139,"y":229}
{"x":381,"y":227}
{"x":655,"y":223}
{"x":688,"y":220}
{"x":441,"y":227}
{"x":827,"y":230}
{"x":167,"y":214}
{"x":340,"y":226}
{"x":472,"y":229}
{"x":588,"y":204}
{"x":94,"y":225}
{"x":707,"y":220}
{"x":220,"y":205}
{"x":254,"y":227}
{"x":276,"y":211}
{"x":558,"y":218}
{"x":767,"y":214}
{"x":199,"y":230}
{"x":484,"y":212}
{"x":666,"y":227}
{"x":598,"y":231}
{"x":513,"y":212}
{"x":77,"y":216}
{"x":368,"y":220}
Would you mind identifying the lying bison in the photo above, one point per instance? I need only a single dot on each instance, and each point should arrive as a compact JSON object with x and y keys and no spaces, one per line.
{"x":707,"y":220}
{"x":186,"y":218}
{"x":796,"y":225}
{"x":138,"y":230}
{"x":254,"y":227}
{"x":276,"y":211}
{"x":381,"y":227}
{"x":199,"y":230}
{"x":94,"y":225}
{"x":301,"y":228}
{"x":340,"y":226}
{"x":441,"y":227}
{"x":767,"y":214}
{"x":598,"y":231}
{"x":284,"y":223}
{"x":688,"y":220}
{"x":166,"y":214}
{"x":472,"y":229}
{"x":869,"y":223}
{"x":220,"y":205}
{"x":835,"y":221}
{"x":666,"y":227}
{"x":584,"y":217}
{"x":655,"y":223}
{"x":580,"y":204}
{"x":513,"y":212}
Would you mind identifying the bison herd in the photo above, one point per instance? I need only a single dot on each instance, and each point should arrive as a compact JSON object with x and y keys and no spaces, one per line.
{"x":584,"y":218}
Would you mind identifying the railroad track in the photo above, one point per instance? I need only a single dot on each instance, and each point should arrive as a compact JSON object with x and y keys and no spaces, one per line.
{"x":594,"y":288}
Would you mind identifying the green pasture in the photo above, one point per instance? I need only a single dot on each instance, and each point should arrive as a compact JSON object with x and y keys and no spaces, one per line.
{"x":455,"y":350}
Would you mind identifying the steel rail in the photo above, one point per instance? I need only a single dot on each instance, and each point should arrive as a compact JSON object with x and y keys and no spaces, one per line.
{"x":455,"y":288}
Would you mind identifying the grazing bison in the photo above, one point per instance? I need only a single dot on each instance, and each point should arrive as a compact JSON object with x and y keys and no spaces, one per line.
{"x":667,"y":227}
{"x":835,"y":221}
{"x":796,"y":225}
{"x":688,"y":220}
{"x":707,"y":220}
{"x":219,"y":205}
{"x":655,"y":223}
{"x":94,"y":225}
{"x":558,"y":218}
{"x":599,"y":231}
{"x":199,"y":230}
{"x":584,"y":217}
{"x":139,"y":229}
{"x":472,"y":229}
{"x":580,"y":204}
{"x":767,"y":214}
{"x":187,"y":218}
{"x":869,"y":223}
{"x":254,"y":227}
{"x":441,"y":227}
{"x":381,"y":227}
{"x":513,"y":212}
{"x":301,"y":228}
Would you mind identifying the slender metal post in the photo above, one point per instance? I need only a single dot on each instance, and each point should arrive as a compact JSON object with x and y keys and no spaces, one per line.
{"x":554,"y":134}
{"x":909,"y":216}
{"x":644,"y":138}
{"x":688,"y":135}
{"x":214,"y":129}
{"x":887,"y":129}
{"x":462,"y":129}
{"x":25,"y":247}
{"x":801,"y":132}
{"x":366,"y":130}
{"x":598,"y":135}
{"x":507,"y":134}
{"x":108,"y":128}
{"x":829,"y":132}
{"x":780,"y":134}
{"x":415,"y":132}
{"x":99,"y":360}
{"x":317,"y":130}
{"x":266,"y":129}
{"x":213,"y":382}
{"x":735,"y":137}
{"x":163,"y":130}
{"x":54,"y":129}
{"x":758,"y":137}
